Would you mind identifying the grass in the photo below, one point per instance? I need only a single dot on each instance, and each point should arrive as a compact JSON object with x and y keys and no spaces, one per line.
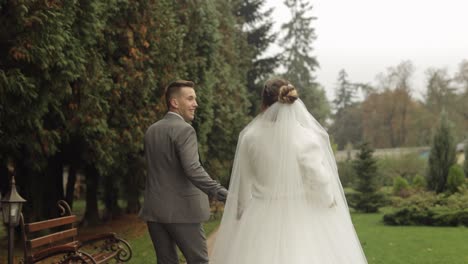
{"x":410,"y":245}
{"x":135,"y":232}
{"x":143,"y":251}
{"x":382,"y":244}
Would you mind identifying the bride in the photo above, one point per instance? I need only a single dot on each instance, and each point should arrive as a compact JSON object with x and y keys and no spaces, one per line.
{"x":286,"y":204}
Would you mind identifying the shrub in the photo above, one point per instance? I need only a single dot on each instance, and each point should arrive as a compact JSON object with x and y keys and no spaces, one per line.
{"x":419,"y":182}
{"x":346,"y":172}
{"x":411,"y":215}
{"x":406,"y":166}
{"x":430,"y":217}
{"x":401,"y":187}
{"x":367,"y":202}
{"x":427,"y":208}
{"x":463,"y":218}
{"x":455,"y":178}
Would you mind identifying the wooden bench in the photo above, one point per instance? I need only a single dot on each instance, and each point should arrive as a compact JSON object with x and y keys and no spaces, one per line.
{"x":55,"y":241}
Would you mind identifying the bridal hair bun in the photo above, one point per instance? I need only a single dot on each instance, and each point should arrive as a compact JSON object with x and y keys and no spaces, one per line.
{"x":287,"y":94}
{"x":278,"y":90}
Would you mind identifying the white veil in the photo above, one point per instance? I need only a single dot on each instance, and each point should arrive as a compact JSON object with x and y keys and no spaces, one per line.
{"x":283,"y":182}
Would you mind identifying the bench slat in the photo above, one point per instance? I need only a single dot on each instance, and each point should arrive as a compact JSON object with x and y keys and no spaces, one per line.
{"x":37,"y":226}
{"x":52,"y":238}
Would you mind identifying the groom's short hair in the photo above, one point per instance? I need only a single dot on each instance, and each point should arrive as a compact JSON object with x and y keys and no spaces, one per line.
{"x":174,"y":87}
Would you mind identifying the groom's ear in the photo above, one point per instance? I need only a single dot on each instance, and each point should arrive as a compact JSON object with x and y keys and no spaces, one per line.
{"x":174,"y":103}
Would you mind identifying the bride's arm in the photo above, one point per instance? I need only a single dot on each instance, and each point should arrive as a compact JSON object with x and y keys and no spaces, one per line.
{"x":316,"y":177}
{"x":245,"y":172}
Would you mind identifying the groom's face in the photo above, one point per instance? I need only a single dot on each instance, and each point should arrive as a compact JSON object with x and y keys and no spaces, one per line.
{"x":187,"y":103}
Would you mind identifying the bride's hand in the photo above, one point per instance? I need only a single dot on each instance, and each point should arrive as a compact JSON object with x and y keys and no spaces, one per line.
{"x":239,"y":214}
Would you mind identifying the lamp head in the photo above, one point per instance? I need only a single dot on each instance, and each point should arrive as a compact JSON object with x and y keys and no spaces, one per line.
{"x":11,"y":205}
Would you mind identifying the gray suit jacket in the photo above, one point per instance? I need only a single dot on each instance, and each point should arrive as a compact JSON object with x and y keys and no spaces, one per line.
{"x":176,"y":185}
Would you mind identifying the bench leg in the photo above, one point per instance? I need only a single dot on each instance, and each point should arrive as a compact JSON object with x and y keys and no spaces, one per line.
{"x":78,"y":258}
{"x":125,"y":253}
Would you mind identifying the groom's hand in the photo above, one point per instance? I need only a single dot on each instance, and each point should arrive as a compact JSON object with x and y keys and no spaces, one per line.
{"x":222,"y":195}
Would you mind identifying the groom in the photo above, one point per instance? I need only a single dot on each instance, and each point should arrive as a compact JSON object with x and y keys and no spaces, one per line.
{"x":175,"y":198}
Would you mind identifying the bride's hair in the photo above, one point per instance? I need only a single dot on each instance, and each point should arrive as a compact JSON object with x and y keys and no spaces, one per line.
{"x":278,"y":90}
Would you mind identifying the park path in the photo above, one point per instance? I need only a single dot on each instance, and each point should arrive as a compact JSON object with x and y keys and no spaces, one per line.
{"x":210,"y":241}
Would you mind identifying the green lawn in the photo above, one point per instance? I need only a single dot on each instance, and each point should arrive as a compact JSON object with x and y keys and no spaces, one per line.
{"x":142,"y":246}
{"x":143,"y":251}
{"x":410,"y":245}
{"x":382,"y":244}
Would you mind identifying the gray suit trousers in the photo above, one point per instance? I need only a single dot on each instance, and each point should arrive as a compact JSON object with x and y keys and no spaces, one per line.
{"x":190,"y":238}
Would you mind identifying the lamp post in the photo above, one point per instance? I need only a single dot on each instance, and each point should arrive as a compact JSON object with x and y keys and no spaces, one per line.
{"x":11,"y":207}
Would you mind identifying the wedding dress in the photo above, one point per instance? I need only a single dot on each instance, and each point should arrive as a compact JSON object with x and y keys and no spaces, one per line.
{"x":286,"y":204}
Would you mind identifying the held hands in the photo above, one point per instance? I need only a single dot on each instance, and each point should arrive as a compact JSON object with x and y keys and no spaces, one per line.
{"x":333,"y":204}
{"x":222,"y":195}
{"x":239,"y":213}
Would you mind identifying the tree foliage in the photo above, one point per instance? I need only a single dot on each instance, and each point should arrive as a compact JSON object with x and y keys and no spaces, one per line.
{"x":387,"y":118}
{"x":230,"y":97}
{"x":367,"y":199}
{"x":465,"y":163}
{"x":80,"y":82}
{"x":395,"y":99}
{"x":48,"y":54}
{"x":344,"y":93}
{"x":455,"y":179}
{"x":442,"y":155}
{"x":297,"y":59}
{"x":391,"y":114}
{"x":258,"y":26}
{"x":400,"y":186}
{"x":347,"y":125}
{"x":440,"y":92}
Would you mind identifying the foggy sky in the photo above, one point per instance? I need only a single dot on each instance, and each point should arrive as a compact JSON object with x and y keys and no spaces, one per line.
{"x":365,"y":37}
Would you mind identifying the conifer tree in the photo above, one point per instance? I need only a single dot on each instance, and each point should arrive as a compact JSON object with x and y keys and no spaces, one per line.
{"x":81,"y":81}
{"x":344,"y":94}
{"x":441,"y":156}
{"x":367,"y":199}
{"x":297,"y":58}
{"x":440,"y":91}
{"x":257,"y":26}
{"x":202,"y":39}
{"x":346,"y":127}
{"x":230,"y":96}
{"x":465,"y":163}
{"x":43,"y":56}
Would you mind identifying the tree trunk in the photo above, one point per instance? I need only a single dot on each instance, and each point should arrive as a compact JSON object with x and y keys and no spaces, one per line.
{"x":111,"y":197}
{"x":133,"y":203}
{"x":70,"y":189}
{"x":29,"y":186}
{"x":91,"y":216}
{"x":4,"y":178}
{"x":133,"y":194}
{"x":133,"y":180}
{"x":53,"y":186}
